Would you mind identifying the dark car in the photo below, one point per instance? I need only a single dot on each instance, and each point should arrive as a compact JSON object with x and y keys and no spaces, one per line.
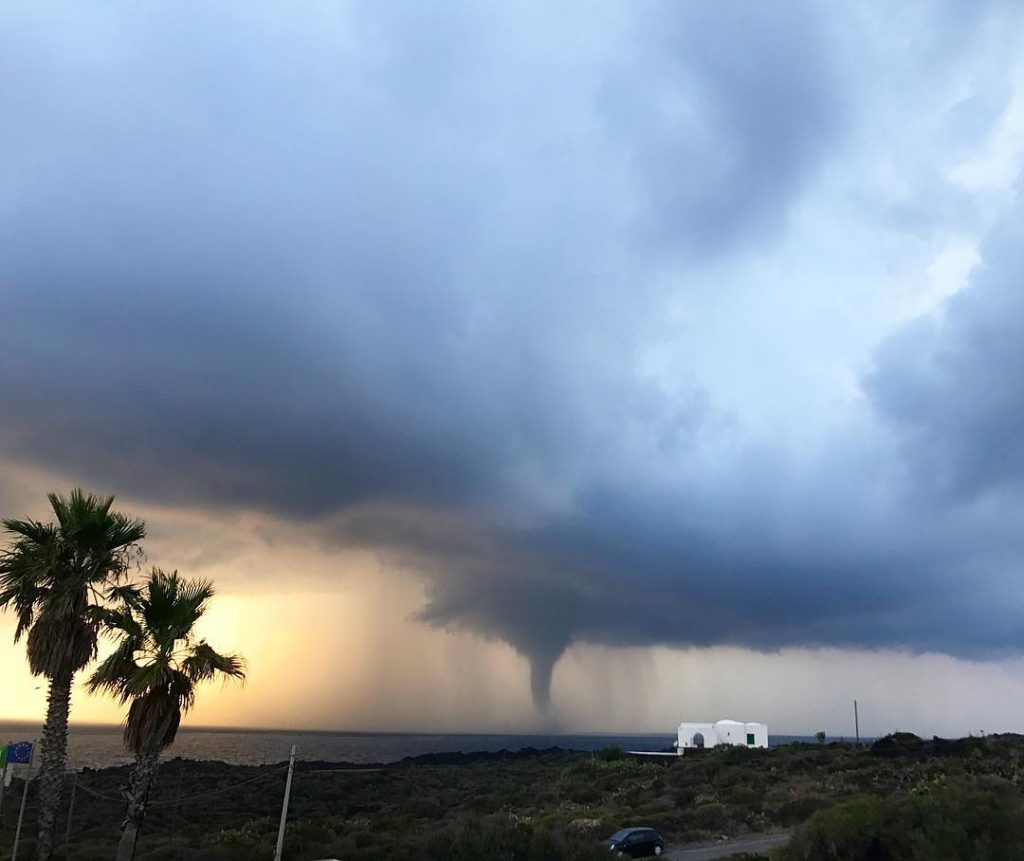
{"x":636,"y":842}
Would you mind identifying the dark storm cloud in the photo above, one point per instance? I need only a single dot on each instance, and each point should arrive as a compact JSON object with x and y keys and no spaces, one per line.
{"x":300,"y":283}
{"x":952,"y":384}
{"x":636,"y":568}
{"x":741,"y":103}
{"x":394,"y":272}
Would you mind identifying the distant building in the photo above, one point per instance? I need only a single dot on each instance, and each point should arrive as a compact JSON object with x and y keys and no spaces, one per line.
{"x":723,"y":732}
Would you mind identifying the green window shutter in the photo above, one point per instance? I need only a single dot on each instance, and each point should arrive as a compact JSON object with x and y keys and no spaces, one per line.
{"x":750,"y":738}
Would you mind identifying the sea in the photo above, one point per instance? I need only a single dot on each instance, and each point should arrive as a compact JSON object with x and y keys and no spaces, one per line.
{"x":98,"y":746}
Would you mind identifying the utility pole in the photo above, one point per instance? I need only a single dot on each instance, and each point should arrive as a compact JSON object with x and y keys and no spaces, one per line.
{"x":856,"y":722}
{"x":284,"y":807}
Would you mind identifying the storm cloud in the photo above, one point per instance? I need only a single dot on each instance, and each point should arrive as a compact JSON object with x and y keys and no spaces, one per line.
{"x":623,"y":323}
{"x":952,"y":383}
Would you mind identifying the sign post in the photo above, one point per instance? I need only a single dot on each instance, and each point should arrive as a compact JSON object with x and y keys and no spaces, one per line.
{"x":3,"y":778}
{"x":21,"y":816}
{"x":21,"y":753}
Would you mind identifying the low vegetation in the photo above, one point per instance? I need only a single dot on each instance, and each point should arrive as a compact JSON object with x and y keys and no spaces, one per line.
{"x":901,"y":799}
{"x":980,"y":818}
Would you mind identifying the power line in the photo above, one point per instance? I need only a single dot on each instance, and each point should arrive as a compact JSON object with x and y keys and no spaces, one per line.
{"x":96,"y":794}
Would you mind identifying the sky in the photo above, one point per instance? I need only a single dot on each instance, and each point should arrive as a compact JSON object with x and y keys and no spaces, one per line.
{"x":535,"y":367}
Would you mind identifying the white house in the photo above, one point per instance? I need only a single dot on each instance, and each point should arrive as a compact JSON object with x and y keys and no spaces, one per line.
{"x":722,"y":732}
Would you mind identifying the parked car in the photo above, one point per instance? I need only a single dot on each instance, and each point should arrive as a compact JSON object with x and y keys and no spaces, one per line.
{"x":636,"y":842}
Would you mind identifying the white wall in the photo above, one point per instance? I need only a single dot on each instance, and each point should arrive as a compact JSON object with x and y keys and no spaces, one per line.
{"x":731,"y":732}
{"x":723,"y":732}
{"x":760,"y":733}
{"x":687,"y":731}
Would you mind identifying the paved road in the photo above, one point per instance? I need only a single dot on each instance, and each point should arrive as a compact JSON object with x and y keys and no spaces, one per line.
{"x":727,"y":848}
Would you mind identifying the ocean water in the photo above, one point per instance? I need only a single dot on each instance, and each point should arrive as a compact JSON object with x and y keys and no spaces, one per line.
{"x":96,"y":746}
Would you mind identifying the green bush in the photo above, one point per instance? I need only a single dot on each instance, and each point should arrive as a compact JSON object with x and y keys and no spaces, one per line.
{"x":510,"y":838}
{"x":612,"y":753}
{"x":425,"y":808}
{"x":965,"y":820}
{"x":711,"y":817}
{"x":744,"y":795}
{"x":795,"y":810}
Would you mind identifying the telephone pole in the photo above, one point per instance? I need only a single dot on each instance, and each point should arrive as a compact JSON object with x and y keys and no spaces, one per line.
{"x":856,"y":722}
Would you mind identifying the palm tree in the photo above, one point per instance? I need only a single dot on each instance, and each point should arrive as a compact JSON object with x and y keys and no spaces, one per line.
{"x":156,"y":667}
{"x":55,"y":576}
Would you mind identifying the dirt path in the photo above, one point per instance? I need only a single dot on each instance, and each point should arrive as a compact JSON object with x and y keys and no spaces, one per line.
{"x":764,"y":843}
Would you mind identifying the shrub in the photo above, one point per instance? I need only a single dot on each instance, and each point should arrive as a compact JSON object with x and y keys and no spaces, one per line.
{"x":712,"y":817}
{"x":511,"y":838}
{"x":744,"y":795}
{"x":612,"y":753}
{"x":960,"y":821}
{"x":797,"y":809}
{"x":425,"y":808}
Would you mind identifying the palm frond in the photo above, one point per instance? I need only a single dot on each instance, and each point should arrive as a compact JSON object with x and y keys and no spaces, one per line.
{"x":153,"y":720}
{"x":117,"y":621}
{"x":22,"y":588}
{"x":125,"y":593}
{"x":205,"y":662}
{"x":56,"y":646}
{"x":111,"y":675}
{"x":124,"y":531}
{"x":31,"y":530}
{"x":156,"y":624}
{"x":53,"y":575}
{"x":25,"y":617}
{"x":195,"y":594}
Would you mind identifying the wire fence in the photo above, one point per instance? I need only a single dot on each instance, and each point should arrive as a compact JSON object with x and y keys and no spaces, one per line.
{"x":187,"y":798}
{"x":177,"y":802}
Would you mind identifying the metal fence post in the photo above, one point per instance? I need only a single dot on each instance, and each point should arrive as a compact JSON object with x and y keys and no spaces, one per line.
{"x":284,"y":807}
{"x":71,"y":811}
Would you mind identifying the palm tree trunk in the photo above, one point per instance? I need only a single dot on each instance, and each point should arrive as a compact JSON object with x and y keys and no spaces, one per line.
{"x":138,"y":796}
{"x":53,"y":754}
